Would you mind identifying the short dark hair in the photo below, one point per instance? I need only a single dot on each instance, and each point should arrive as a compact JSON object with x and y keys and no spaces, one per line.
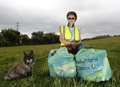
{"x":72,"y":13}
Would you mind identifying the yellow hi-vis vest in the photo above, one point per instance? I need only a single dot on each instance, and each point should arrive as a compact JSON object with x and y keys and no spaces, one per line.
{"x":65,"y":30}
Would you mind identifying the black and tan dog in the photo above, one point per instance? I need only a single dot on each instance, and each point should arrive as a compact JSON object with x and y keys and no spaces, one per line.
{"x":21,"y":70}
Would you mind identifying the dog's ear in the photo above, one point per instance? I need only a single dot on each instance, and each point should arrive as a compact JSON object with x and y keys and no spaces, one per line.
{"x":25,"y":53}
{"x":31,"y":52}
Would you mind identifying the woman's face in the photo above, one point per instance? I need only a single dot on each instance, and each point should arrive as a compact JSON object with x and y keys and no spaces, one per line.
{"x":71,"y":19}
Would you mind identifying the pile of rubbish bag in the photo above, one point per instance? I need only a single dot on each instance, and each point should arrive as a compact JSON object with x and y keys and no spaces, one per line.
{"x":88,"y":64}
{"x":61,"y":63}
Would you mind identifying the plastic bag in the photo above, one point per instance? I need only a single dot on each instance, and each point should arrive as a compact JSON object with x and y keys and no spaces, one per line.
{"x":61,"y":63}
{"x":93,"y":65}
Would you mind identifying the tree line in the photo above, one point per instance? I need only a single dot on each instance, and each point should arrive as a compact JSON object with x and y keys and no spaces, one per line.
{"x":11,"y":37}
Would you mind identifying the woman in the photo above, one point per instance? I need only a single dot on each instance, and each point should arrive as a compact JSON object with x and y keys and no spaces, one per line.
{"x":70,"y":34}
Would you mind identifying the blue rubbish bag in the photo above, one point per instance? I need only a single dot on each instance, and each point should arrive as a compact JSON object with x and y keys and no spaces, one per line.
{"x":93,"y":65}
{"x":61,"y":63}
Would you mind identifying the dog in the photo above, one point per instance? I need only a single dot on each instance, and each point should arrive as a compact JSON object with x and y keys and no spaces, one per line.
{"x":23,"y":69}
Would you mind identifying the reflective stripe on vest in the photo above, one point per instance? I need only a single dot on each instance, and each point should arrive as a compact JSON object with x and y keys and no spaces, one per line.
{"x":61,"y":28}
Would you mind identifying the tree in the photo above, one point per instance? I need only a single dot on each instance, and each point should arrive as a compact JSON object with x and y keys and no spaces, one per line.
{"x":11,"y":36}
{"x":24,"y":39}
{"x":44,"y":38}
{"x":2,"y":40}
{"x":51,"y":38}
{"x":37,"y":37}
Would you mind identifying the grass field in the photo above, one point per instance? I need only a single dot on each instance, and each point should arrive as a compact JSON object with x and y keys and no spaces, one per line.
{"x":9,"y":56}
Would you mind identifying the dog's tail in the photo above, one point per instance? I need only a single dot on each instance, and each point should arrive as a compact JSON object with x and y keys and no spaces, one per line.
{"x":7,"y":78}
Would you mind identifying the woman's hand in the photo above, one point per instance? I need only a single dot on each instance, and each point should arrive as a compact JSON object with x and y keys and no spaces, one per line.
{"x":61,"y":37}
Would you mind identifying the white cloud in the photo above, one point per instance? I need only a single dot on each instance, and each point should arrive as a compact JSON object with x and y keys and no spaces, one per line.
{"x":94,"y":16}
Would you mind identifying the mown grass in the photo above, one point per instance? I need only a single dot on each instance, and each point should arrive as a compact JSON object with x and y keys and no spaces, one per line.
{"x":9,"y":56}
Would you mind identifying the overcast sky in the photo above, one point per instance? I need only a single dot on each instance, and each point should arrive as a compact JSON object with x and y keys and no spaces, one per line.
{"x":95,"y":17}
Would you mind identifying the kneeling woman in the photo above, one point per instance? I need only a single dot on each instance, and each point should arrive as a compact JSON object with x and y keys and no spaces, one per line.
{"x":70,"y":34}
